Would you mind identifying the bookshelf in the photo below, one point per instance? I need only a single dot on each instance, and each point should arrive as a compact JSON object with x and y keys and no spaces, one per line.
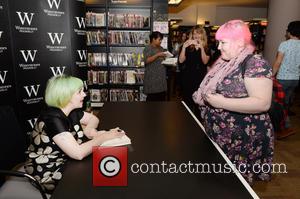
{"x":116,"y":36}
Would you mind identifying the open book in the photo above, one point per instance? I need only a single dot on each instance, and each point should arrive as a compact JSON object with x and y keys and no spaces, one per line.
{"x":124,"y":140}
{"x":168,"y":54}
{"x":170,"y":61}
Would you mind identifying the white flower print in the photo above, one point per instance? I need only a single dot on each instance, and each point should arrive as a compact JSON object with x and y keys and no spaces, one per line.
{"x":39,"y":134}
{"x":49,"y":177}
{"x":58,"y":162}
{"x":79,"y":133}
{"x":39,"y":168}
{"x":42,"y":156}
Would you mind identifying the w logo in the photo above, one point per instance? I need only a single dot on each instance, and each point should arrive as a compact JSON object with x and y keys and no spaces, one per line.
{"x":58,"y":71}
{"x":80,"y":22}
{"x":26,"y":17}
{"x":28,"y":54}
{"x":32,"y":89}
{"x":57,"y":37}
{"x":3,"y":76}
{"x":82,"y":54}
{"x":55,"y":2}
{"x":32,"y":122}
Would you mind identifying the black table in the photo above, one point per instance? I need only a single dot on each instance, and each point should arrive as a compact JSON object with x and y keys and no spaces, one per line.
{"x":159,"y":131}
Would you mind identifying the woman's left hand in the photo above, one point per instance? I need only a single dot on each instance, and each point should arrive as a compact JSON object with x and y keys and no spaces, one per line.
{"x":214,"y":99}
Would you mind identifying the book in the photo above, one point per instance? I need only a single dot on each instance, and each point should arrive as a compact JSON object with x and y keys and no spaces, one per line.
{"x":124,"y":140}
{"x":170,"y":61}
{"x":168,"y":54}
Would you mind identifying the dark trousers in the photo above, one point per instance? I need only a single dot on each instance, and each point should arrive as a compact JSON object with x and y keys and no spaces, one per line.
{"x":156,"y":97}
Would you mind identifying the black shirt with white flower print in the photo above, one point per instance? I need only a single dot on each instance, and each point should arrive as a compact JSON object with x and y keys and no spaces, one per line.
{"x":45,"y":159}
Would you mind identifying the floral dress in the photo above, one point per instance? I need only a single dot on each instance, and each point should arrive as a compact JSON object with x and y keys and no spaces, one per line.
{"x":45,"y":159}
{"x":247,"y":139}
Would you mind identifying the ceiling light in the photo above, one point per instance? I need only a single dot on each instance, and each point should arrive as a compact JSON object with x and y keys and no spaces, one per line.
{"x":174,"y":2}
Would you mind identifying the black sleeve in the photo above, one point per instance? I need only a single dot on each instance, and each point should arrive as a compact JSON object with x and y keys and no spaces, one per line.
{"x":75,"y":116}
{"x":56,"y":125}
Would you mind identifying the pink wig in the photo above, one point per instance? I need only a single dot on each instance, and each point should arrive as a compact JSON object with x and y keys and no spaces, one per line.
{"x":233,"y":30}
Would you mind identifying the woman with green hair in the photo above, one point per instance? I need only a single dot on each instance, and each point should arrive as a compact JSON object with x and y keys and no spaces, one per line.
{"x":58,"y":134}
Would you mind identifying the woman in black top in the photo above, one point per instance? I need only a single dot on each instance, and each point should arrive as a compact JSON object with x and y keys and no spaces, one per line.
{"x":195,"y":55}
{"x":58,"y":134}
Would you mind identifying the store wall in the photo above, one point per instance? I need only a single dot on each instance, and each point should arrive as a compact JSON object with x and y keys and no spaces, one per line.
{"x":279,"y":16}
{"x":44,"y":36}
{"x":224,"y":14}
{"x":217,"y":15}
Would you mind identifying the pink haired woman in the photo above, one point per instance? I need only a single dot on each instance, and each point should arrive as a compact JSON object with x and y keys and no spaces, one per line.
{"x":234,"y":98}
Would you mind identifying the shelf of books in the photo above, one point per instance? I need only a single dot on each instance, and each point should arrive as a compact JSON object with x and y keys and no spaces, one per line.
{"x":116,"y":36}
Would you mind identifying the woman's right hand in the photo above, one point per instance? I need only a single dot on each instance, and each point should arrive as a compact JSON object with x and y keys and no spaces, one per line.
{"x":111,"y":134}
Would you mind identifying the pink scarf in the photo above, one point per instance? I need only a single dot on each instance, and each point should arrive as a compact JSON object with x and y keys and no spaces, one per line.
{"x":219,"y":71}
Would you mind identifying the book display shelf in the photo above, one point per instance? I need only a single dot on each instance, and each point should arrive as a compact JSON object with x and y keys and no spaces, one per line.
{"x":117,"y":33}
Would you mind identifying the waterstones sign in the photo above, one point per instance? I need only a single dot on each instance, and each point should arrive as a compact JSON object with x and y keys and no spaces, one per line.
{"x":32,"y":93}
{"x":3,"y":87}
{"x":58,"y":70}
{"x":81,"y":26}
{"x":29,"y":57}
{"x":53,"y":10}
{"x":2,"y":48}
{"x":25,"y":19}
{"x":56,"y":39}
{"x":82,"y":58}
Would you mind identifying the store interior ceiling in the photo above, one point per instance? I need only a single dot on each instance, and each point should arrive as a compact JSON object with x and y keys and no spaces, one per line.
{"x":245,"y":3}
{"x":186,"y":3}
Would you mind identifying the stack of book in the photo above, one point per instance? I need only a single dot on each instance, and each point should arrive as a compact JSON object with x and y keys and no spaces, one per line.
{"x":95,"y":38}
{"x":97,"y":59}
{"x":95,"y":19}
{"x":98,"y":95}
{"x":128,"y":38}
{"x":123,"y":95}
{"x":97,"y":77}
{"x":126,"y":59}
{"x":127,"y":20}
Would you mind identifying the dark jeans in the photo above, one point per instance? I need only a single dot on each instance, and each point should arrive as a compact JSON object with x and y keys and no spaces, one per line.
{"x":156,"y":97}
{"x":289,"y":87}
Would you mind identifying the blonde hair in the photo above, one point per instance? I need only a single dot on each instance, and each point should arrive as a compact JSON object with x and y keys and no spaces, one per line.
{"x":203,"y":36}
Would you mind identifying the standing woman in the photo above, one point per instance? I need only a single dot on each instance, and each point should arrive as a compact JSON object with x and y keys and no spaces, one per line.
{"x":58,"y":134}
{"x":195,"y":56}
{"x":234,"y":98}
{"x":287,"y":66}
{"x":155,"y":83}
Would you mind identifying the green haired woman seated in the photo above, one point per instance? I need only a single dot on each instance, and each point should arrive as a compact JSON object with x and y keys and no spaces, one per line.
{"x":58,"y":134}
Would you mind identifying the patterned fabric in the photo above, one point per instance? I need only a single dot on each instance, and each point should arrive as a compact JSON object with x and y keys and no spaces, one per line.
{"x":247,"y":139}
{"x":290,"y":66}
{"x":45,"y":159}
{"x":278,"y":97}
{"x":155,"y":73}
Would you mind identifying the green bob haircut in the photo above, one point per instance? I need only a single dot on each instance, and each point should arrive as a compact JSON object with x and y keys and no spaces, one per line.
{"x":60,"y":90}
